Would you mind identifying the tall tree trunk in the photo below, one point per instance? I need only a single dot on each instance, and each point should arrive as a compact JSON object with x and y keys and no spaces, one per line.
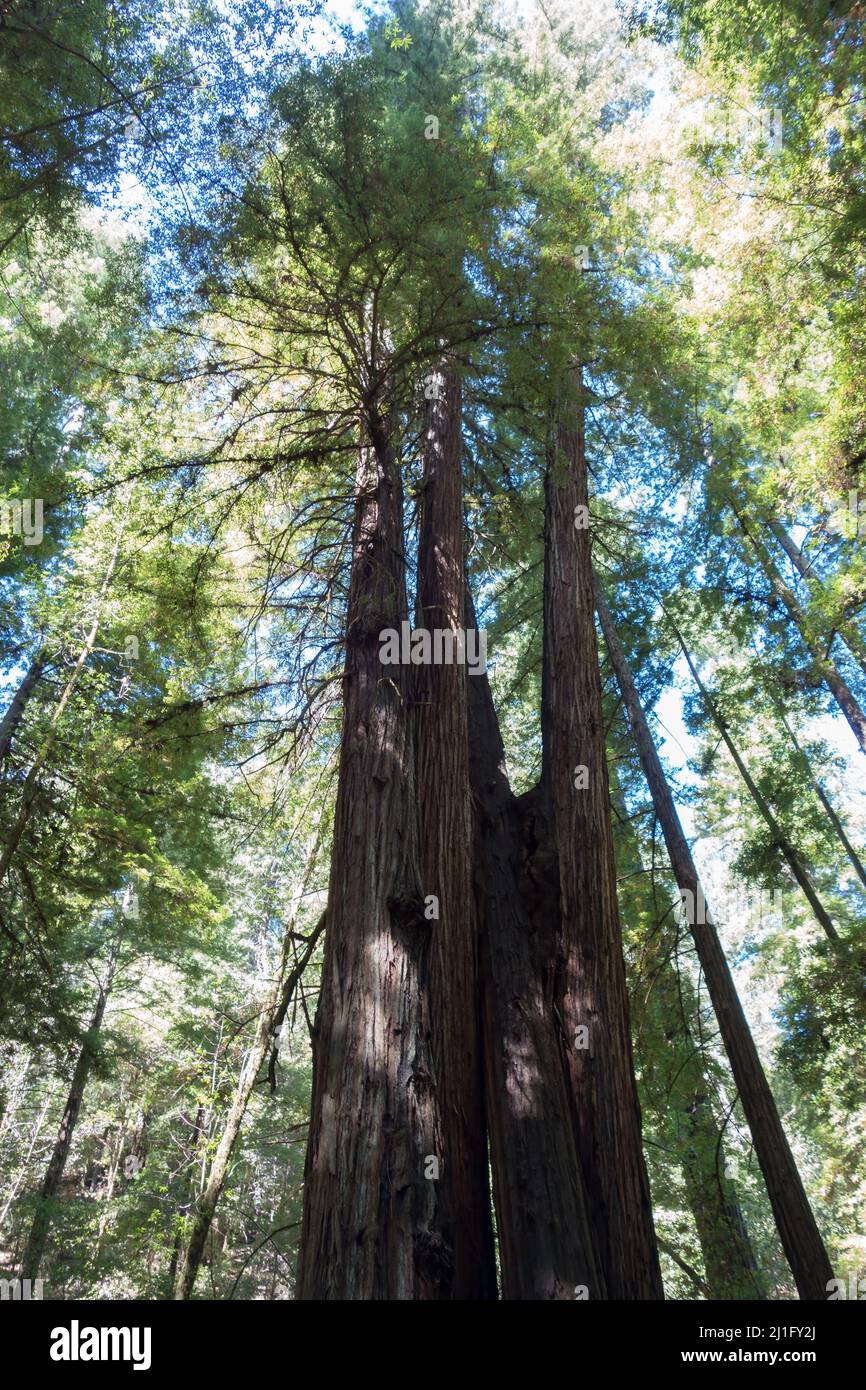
{"x":15,"y":713}
{"x":270,"y":1019}
{"x":542,"y":1219}
{"x":442,"y":779}
{"x":847,"y":630}
{"x":35,"y":1248}
{"x":372,"y":1226}
{"x":796,"y":1224}
{"x":592,"y":1001}
{"x":826,"y":668}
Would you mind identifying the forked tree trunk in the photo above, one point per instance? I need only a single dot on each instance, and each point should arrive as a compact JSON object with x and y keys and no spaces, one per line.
{"x":545,"y":1239}
{"x":372,"y":1224}
{"x":592,"y":1001}
{"x":442,"y":777}
{"x":796,"y":1224}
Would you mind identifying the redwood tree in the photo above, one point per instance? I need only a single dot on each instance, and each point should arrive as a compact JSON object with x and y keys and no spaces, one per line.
{"x":590,"y":990}
{"x":442,"y":778}
{"x":372,"y":1222}
{"x":546,"y":1242}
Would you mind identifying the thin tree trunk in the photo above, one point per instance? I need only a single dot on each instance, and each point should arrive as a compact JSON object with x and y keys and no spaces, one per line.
{"x":796,"y":1224}
{"x":136,"y":1150}
{"x":832,"y":816}
{"x":678,"y":1260}
{"x":442,"y":779}
{"x":542,"y":1220}
{"x":793,"y":552}
{"x":592,"y":1000}
{"x":827,"y":669}
{"x":372,"y":1225}
{"x":730,"y":1267}
{"x":31,"y":782}
{"x":35,"y":1248}
{"x":847,"y":631}
{"x":186,"y":1190}
{"x":676,"y":1088}
{"x":729,"y":1264}
{"x":210,"y":1111}
{"x":12,"y":1098}
{"x":15,"y":713}
{"x":113,"y":1171}
{"x":268,"y":1023}
{"x":22,"y":1172}
{"x":780,"y":839}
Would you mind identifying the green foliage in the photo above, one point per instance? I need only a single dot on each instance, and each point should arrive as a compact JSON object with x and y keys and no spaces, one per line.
{"x":185,"y":385}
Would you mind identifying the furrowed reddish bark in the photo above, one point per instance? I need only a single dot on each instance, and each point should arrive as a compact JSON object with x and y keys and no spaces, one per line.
{"x":545,"y":1239}
{"x":591,"y":998}
{"x":372,"y":1221}
{"x":442,"y":764}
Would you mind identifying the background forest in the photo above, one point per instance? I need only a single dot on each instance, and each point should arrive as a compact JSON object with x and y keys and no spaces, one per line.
{"x":225,"y":228}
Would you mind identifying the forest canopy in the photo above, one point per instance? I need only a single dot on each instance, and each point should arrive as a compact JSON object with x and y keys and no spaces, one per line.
{"x":433,"y":650}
